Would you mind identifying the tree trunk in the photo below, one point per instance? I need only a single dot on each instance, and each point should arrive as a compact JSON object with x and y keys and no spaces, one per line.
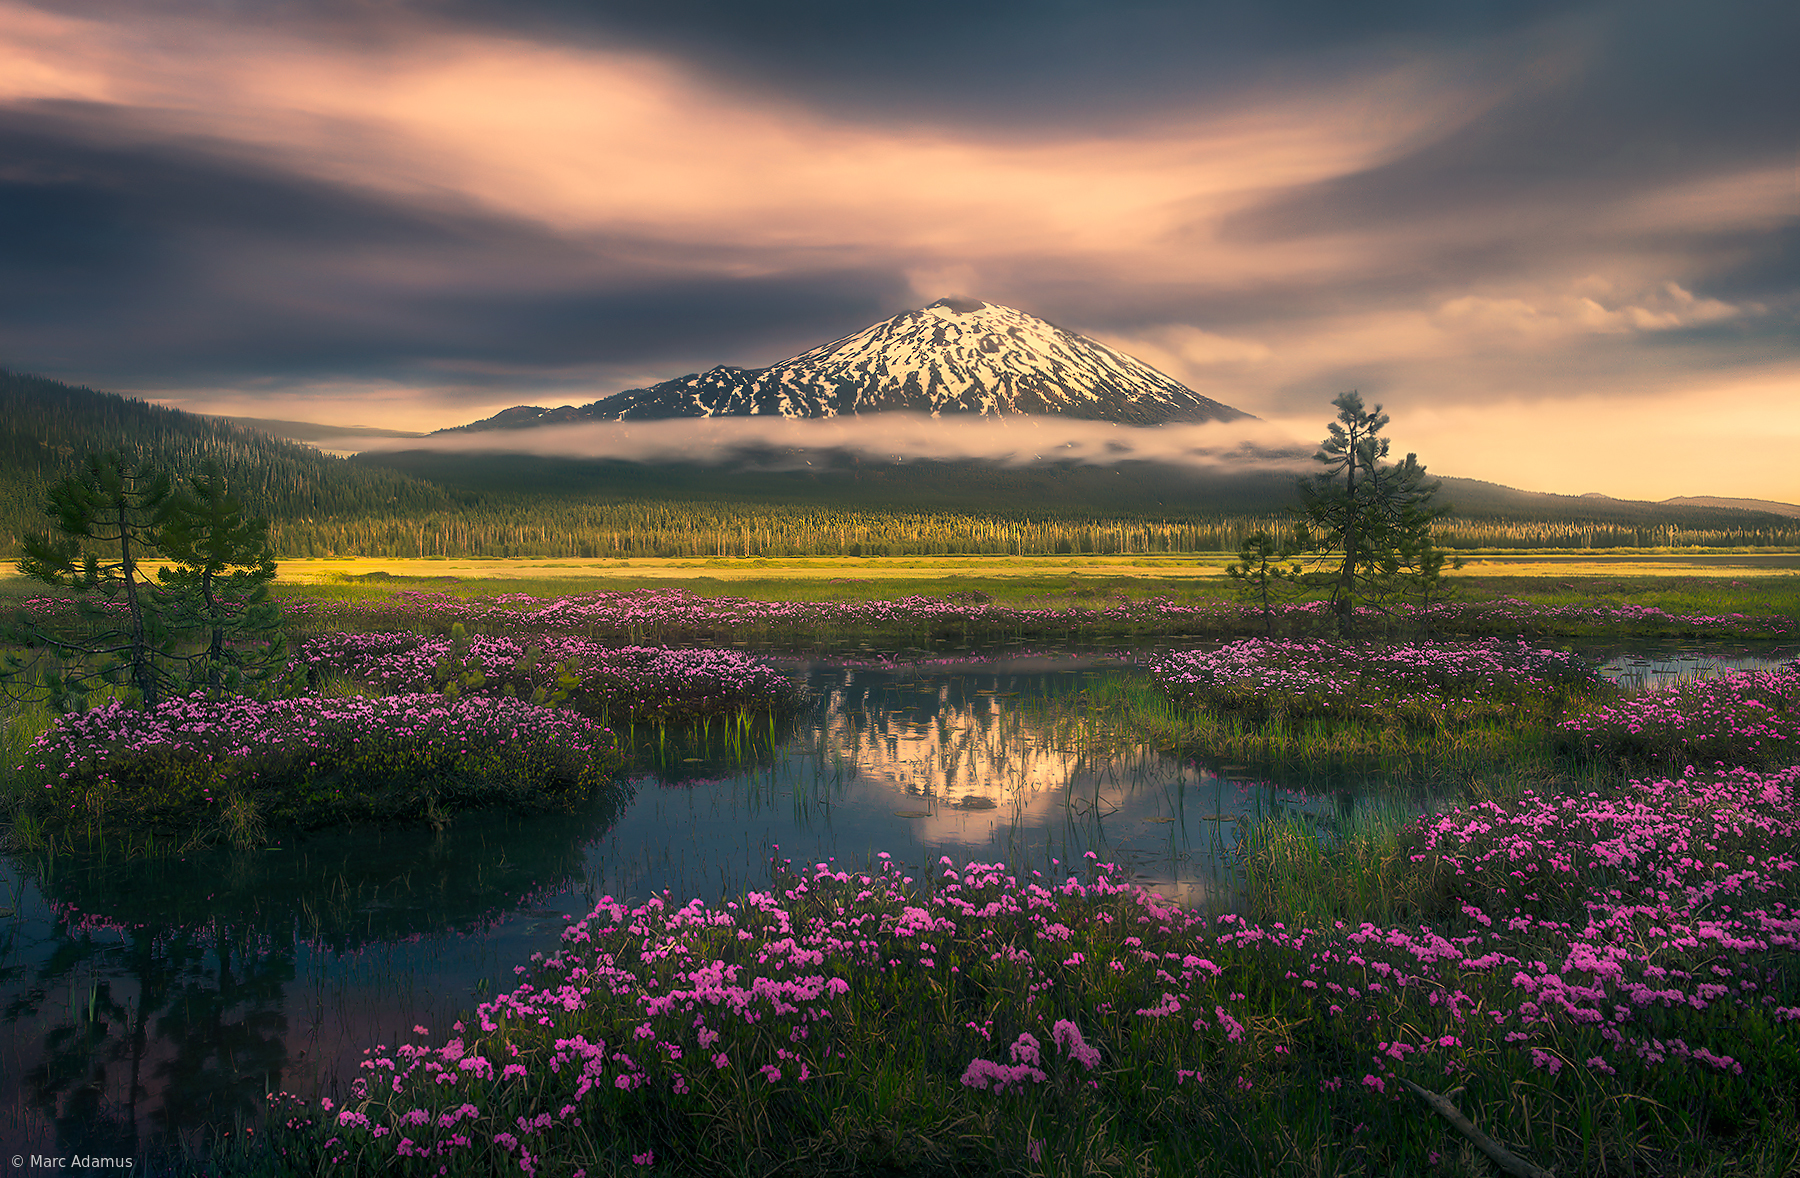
{"x":142,"y":673}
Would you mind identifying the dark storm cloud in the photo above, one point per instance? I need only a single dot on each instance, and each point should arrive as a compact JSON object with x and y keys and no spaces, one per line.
{"x":1669,"y":91}
{"x":1011,"y":65}
{"x":122,"y":252}
{"x":1764,"y":266}
{"x":100,"y":216}
{"x":709,"y":321}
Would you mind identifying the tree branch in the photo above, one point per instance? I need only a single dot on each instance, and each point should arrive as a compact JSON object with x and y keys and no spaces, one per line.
{"x":1501,"y":1156}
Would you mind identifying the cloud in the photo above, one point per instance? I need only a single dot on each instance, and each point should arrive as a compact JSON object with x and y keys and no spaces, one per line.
{"x":1730,"y":429}
{"x":197,"y":258}
{"x":1188,"y":353}
{"x":785,"y":443}
{"x":1006,"y":67}
{"x":1580,"y":313}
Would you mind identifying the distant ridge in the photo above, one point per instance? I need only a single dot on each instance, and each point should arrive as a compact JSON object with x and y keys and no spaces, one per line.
{"x":1791,"y":510}
{"x":311,"y":431}
{"x":954,"y":356}
{"x":517,"y":505}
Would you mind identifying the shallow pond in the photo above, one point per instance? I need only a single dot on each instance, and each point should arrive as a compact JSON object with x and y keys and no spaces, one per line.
{"x":141,"y":999}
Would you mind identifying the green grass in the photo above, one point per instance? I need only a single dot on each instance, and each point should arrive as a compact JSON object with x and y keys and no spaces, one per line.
{"x":1018,"y":584}
{"x":1460,"y":747}
{"x":1025,"y":581}
{"x":1023,"y":587}
{"x":1723,"y":594}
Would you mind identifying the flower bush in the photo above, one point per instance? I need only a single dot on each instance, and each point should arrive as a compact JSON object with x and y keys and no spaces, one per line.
{"x":1735,"y":718}
{"x":311,"y":761}
{"x":1414,"y":683}
{"x":640,"y":683}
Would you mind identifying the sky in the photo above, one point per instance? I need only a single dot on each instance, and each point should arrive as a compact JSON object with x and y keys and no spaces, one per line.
{"x":1558,"y":242}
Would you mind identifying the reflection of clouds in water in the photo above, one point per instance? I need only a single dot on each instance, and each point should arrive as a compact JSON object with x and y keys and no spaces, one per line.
{"x":885,"y":437}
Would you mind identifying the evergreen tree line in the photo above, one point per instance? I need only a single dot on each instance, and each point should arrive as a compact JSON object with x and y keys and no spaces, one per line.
{"x":1457,"y":532}
{"x":47,"y":428}
{"x":676,"y":529}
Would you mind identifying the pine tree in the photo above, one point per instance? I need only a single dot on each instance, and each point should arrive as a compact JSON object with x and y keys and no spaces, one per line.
{"x":1266,"y":567}
{"x":1372,"y":519}
{"x":119,"y":632}
{"x":220,"y":587}
{"x":128,"y":629}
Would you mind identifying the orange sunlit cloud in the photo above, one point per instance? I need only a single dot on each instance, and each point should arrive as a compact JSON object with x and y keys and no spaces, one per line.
{"x":588,"y":140}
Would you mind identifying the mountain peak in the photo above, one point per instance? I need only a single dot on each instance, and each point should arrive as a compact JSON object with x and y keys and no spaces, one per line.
{"x":957,"y":355}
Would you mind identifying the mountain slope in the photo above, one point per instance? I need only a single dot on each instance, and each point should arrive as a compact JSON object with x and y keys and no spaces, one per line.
{"x":815,"y":501}
{"x":1772,"y":507}
{"x":47,"y":428}
{"x":954,"y":356}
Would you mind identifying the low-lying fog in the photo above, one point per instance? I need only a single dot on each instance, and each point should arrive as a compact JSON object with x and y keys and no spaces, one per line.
{"x":886,"y":437}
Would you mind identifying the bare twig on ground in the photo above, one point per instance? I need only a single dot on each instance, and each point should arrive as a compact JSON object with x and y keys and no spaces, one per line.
{"x":1501,"y":1156}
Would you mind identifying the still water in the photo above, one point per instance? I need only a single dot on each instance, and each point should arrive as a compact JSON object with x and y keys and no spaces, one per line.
{"x":142,"y":999}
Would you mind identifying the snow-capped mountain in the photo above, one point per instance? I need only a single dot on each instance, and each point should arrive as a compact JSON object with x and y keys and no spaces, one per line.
{"x":954,"y":356}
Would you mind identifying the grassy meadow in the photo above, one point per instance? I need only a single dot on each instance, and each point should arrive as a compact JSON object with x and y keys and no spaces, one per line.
{"x":1589,"y":952}
{"x":1684,"y":581}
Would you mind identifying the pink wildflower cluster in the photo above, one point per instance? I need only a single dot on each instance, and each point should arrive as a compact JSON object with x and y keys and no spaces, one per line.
{"x":164,"y":761}
{"x":796,"y":991}
{"x":627,"y":682}
{"x":1735,"y":718}
{"x":1266,"y":678}
{"x":672,"y":614}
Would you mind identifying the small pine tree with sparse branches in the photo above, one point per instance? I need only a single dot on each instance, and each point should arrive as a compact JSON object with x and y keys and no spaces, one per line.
{"x":119,"y":634}
{"x":219,"y":588}
{"x":1372,"y":519}
{"x":1266,"y":567}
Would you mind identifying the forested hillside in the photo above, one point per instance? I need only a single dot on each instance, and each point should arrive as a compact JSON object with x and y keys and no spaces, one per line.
{"x":807,"y":499}
{"x":46,"y":427}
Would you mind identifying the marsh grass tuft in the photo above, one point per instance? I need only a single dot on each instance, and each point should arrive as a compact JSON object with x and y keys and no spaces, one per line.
{"x":1354,"y":869}
{"x":1454,"y":749}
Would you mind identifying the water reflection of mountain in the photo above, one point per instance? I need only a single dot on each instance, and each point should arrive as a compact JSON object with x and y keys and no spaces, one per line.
{"x":958,"y":739}
{"x":161,"y":999}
